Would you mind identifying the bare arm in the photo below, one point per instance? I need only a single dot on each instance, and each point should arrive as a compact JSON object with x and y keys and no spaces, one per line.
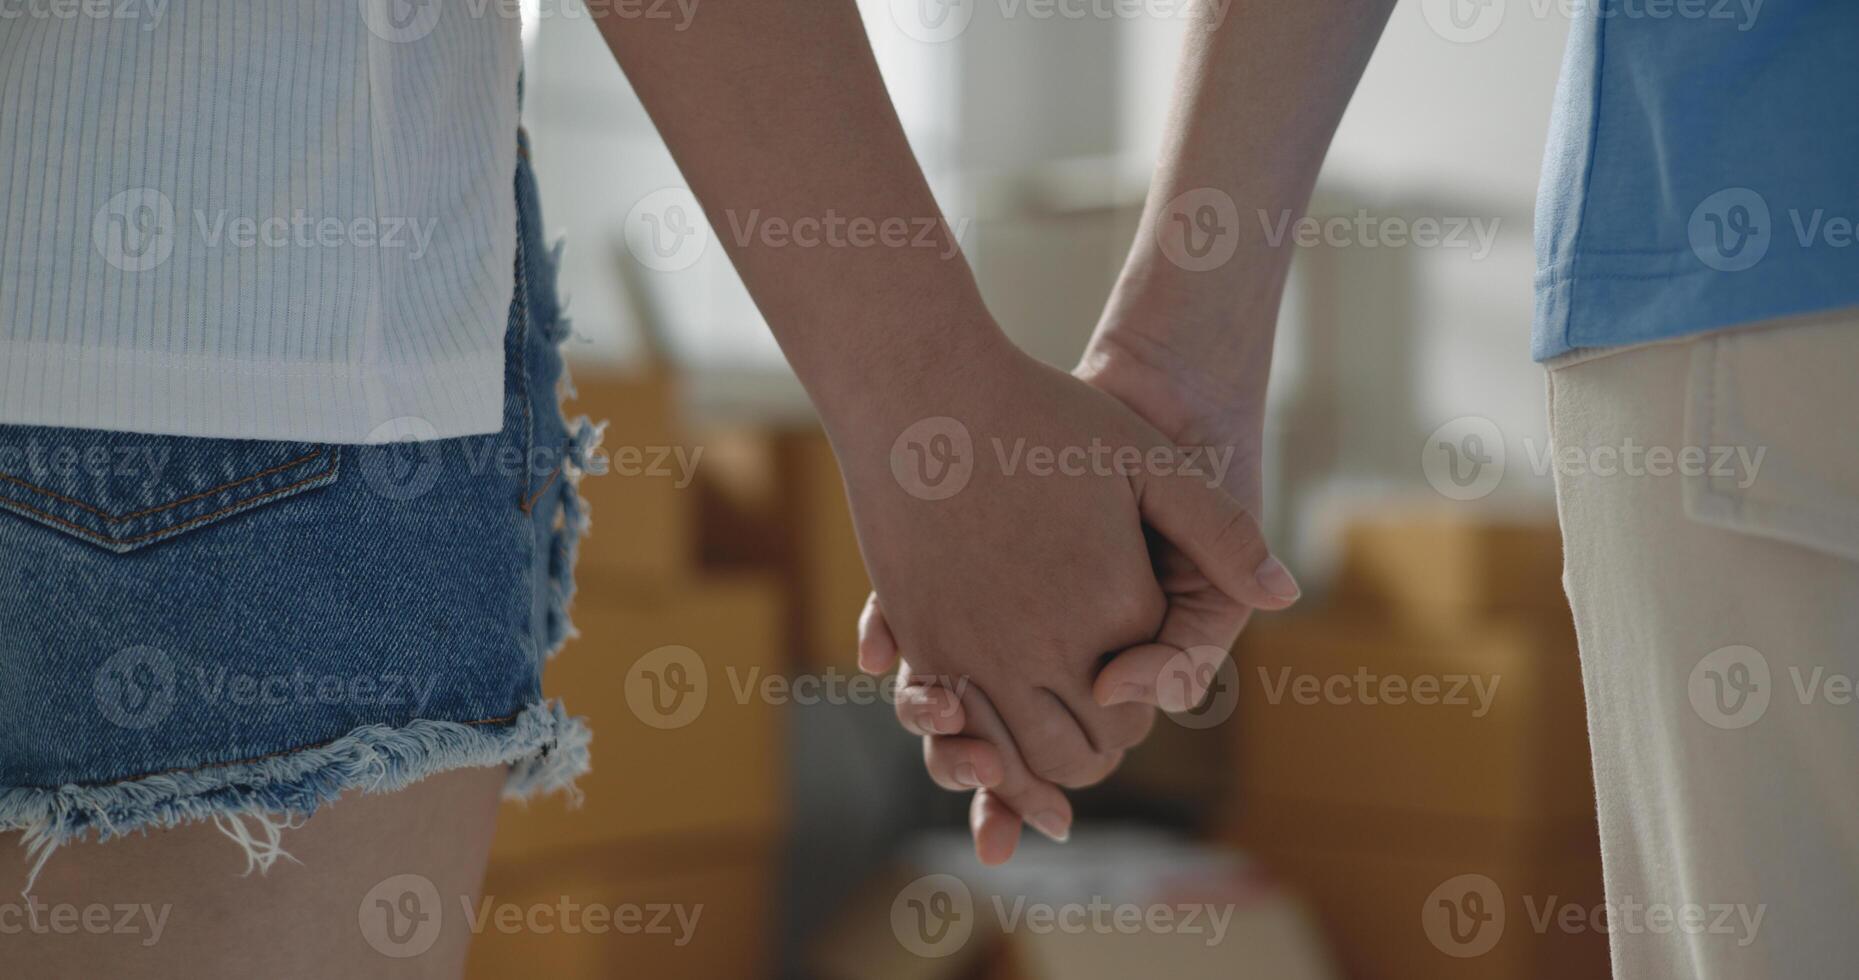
{"x":1257,"y":101}
{"x":1187,"y":343}
{"x":774,"y":109}
{"x":1008,"y":589}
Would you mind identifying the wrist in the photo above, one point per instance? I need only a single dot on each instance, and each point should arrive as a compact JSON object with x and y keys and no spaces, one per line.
{"x":967,"y":363}
{"x":1194,"y":397}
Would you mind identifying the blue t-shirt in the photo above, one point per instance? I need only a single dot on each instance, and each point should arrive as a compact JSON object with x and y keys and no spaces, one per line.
{"x":1702,"y":171}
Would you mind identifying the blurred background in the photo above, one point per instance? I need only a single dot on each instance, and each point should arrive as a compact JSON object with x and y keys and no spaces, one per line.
{"x":1391,"y":781}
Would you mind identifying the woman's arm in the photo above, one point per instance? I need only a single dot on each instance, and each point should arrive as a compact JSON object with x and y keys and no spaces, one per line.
{"x":1012,"y":589}
{"x":1186,"y":339}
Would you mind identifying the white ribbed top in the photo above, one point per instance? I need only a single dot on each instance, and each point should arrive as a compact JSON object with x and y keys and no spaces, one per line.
{"x":270,"y":219}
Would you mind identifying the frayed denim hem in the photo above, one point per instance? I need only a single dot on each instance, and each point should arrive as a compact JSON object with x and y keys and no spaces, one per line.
{"x":545,"y":749}
{"x":572,"y":525}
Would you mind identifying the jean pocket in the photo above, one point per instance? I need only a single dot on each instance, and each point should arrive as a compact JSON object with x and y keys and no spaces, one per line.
{"x":122,"y":491}
{"x":1771,"y":411}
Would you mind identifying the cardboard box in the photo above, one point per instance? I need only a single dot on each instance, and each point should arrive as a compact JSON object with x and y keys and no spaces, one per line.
{"x":1388,"y":768}
{"x":1439,"y":568}
{"x":643,"y":508}
{"x":775,"y":500}
{"x":1403,"y":896}
{"x":1485,"y":721}
{"x":698,"y":912}
{"x":684,"y":744}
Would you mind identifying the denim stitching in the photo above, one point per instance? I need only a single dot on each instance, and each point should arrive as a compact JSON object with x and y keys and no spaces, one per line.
{"x":92,"y":535}
{"x":156,"y":510}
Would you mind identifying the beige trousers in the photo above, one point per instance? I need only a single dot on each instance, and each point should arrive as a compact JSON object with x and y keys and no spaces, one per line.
{"x":1709,"y":497}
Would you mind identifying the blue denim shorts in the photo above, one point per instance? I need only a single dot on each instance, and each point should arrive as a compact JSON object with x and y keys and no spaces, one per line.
{"x":196,"y":629}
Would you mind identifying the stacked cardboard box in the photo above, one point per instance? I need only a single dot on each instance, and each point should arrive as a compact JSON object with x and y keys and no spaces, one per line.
{"x":668,"y":866}
{"x":775,"y":500}
{"x":1413,"y":756}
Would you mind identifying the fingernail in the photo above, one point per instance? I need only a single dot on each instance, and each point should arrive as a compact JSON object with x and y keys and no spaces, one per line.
{"x":1048,"y":822}
{"x":1277,"y":580}
{"x":965,"y":775}
{"x":1124,"y":694}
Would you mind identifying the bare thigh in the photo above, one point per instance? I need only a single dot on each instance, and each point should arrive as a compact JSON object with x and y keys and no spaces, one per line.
{"x":179,"y":904}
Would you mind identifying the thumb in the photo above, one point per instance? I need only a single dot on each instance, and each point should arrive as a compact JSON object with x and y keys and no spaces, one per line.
{"x":1219,"y":536}
{"x":877,"y":647}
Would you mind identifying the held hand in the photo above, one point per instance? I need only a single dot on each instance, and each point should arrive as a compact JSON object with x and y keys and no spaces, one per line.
{"x":1210,"y":567}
